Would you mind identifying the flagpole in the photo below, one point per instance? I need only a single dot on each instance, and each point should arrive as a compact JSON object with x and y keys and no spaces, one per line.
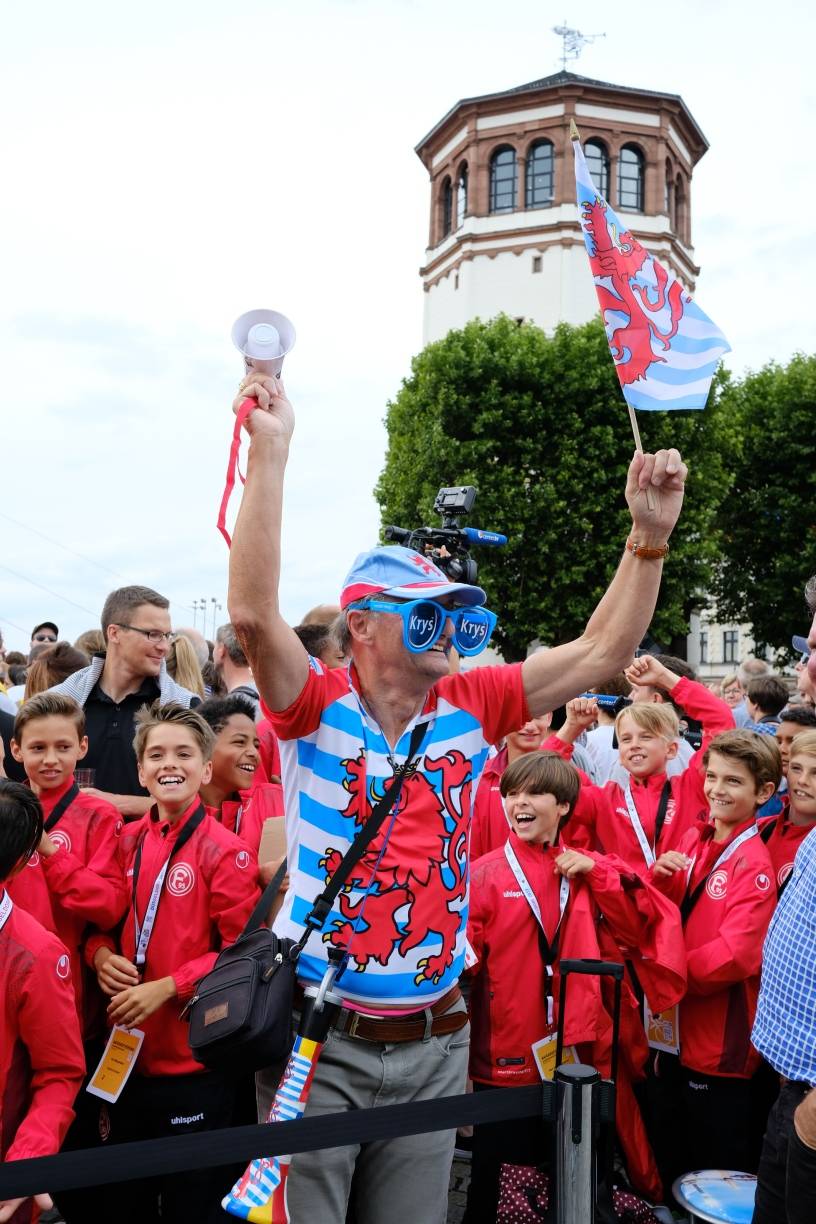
{"x":575,"y":135}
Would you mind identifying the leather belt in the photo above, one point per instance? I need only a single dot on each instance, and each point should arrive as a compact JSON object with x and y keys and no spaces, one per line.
{"x":433,"y":1021}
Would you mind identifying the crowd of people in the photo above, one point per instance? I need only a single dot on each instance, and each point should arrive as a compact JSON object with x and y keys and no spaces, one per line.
{"x":591,"y":802}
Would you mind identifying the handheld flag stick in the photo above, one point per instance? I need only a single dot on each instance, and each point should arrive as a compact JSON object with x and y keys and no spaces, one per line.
{"x":259,"y":1196}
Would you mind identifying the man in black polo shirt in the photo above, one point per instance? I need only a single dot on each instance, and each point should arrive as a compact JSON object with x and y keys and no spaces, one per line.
{"x":131,"y":673}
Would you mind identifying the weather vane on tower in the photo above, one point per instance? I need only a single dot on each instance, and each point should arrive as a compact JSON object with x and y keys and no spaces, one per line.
{"x":573,"y":42}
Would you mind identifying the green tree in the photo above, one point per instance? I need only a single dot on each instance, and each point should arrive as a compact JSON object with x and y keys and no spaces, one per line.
{"x":768,"y":523}
{"x":539,"y":425}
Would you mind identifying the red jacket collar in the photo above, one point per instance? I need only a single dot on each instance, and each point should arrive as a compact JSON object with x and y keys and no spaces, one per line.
{"x":169,"y":830}
{"x":534,"y":855}
{"x":50,"y":798}
{"x":654,"y":782}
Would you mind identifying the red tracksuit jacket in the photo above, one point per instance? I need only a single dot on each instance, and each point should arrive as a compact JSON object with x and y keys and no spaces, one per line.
{"x":601,"y":819}
{"x":508,"y":999}
{"x":41,"y":1059}
{"x":490,"y":826}
{"x":82,"y":883}
{"x":208,"y":894}
{"x":249,"y":809}
{"x":724,"y":934}
{"x":783,"y":839}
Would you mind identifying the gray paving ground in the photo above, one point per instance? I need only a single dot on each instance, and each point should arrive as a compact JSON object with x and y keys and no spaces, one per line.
{"x":457,"y":1193}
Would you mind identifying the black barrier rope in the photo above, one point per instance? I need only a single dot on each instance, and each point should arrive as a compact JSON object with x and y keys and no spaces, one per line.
{"x":209,"y":1149}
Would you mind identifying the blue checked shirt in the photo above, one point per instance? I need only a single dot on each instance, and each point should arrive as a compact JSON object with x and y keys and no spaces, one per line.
{"x":785,"y":1025}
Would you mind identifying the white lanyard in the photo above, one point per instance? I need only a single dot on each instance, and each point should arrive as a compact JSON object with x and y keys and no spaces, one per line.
{"x":532,"y":901}
{"x":238,"y":816}
{"x":5,"y":909}
{"x":530,"y":897}
{"x":144,"y":932}
{"x":726,"y":854}
{"x":647,"y":851}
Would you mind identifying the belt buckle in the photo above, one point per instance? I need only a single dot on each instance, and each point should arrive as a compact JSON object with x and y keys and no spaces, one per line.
{"x":351,"y":1027}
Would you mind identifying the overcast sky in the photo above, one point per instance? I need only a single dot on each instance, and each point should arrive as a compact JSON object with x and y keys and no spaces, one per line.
{"x":171,"y":164}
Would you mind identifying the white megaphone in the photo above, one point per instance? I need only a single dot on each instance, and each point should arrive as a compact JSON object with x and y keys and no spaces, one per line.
{"x":264,"y":337}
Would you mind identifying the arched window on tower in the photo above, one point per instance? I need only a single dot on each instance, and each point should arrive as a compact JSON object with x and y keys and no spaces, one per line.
{"x":669,"y":198}
{"x":681,"y":225}
{"x":447,"y":207}
{"x":461,"y":196}
{"x":503,"y":180}
{"x":597,"y":160}
{"x":630,"y":178}
{"x":539,"y":175}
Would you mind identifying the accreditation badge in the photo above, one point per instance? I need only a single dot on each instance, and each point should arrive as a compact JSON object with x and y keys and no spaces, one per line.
{"x":662,"y":1029}
{"x":544,"y":1055}
{"x":116,"y":1063}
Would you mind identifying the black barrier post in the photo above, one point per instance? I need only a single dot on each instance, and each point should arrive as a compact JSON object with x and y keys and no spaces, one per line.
{"x":157,"y":1157}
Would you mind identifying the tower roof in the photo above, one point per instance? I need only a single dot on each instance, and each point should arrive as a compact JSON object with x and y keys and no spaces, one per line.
{"x":557,"y":80}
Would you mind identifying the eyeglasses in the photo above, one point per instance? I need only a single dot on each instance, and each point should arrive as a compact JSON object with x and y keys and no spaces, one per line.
{"x":154,"y":636}
{"x":43,"y":637}
{"x":423,"y":621}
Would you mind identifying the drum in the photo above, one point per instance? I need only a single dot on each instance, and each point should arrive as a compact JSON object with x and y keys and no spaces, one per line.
{"x":717,"y":1196}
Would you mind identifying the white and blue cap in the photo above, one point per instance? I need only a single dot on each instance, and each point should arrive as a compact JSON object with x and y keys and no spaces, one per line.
{"x":395,"y":570}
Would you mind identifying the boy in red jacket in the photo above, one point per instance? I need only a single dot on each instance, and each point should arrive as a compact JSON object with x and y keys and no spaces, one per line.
{"x":534,"y":901}
{"x":41,"y":1060}
{"x":192,"y":884}
{"x":783,"y":833}
{"x":73,"y":880}
{"x":721,"y":876}
{"x":490,"y":826}
{"x":235,"y":796}
{"x":651,"y":813}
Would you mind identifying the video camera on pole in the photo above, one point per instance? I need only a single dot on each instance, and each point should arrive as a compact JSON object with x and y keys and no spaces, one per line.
{"x":448,"y":546}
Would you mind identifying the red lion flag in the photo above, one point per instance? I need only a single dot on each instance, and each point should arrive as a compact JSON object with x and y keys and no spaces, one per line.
{"x":664,"y":347}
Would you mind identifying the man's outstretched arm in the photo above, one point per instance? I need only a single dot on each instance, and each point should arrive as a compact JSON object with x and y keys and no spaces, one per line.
{"x":279,"y":662}
{"x":622,"y":617}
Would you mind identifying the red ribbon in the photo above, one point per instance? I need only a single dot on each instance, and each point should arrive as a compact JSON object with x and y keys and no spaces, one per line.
{"x":233,"y":465}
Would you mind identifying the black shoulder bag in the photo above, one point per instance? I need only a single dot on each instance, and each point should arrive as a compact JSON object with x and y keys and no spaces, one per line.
{"x":241,"y":1013}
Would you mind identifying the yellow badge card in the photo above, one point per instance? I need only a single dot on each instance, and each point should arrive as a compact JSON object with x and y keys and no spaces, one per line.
{"x":116,"y":1063}
{"x":663,"y":1029}
{"x":544,"y":1055}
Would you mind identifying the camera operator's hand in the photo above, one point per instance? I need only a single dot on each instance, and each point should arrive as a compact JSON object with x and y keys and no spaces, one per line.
{"x":664,"y":476}
{"x":275,"y":418}
{"x":646,"y":670}
{"x":581,"y":714}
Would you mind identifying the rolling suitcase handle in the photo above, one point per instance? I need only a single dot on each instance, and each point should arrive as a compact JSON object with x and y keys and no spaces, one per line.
{"x":596,"y":968}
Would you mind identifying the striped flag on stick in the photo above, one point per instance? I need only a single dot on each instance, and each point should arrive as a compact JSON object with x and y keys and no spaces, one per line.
{"x":665,"y":348}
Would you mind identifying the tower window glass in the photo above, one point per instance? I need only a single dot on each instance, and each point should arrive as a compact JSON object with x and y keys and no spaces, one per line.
{"x":539,"y":176}
{"x":503,"y":180}
{"x":447,"y":207}
{"x":461,"y":197}
{"x":597,"y":160}
{"x":630,"y":178}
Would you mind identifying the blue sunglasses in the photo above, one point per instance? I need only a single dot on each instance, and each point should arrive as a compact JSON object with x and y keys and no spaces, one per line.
{"x":423,"y":621}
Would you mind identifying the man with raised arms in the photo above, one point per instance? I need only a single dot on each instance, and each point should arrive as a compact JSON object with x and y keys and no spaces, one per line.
{"x":343,"y":733}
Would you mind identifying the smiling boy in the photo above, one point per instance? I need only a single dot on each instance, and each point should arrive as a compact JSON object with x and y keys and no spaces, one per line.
{"x":721,"y":876}
{"x":236,"y":798}
{"x":650,"y":814}
{"x":783,"y":834}
{"x":533,"y":901}
{"x":192,"y":886}
{"x":73,"y":880}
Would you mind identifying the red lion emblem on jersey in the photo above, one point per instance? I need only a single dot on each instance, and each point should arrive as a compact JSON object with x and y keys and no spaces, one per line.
{"x":617,"y":258}
{"x":422,"y":872}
